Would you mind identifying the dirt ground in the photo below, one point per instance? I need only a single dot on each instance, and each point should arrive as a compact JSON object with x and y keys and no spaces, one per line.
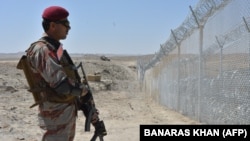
{"x":117,"y":96}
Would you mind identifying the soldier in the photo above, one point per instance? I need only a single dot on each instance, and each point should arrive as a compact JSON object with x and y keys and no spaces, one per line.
{"x":57,"y":99}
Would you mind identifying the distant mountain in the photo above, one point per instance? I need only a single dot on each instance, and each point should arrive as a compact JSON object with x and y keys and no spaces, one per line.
{"x":17,"y":55}
{"x":11,"y":55}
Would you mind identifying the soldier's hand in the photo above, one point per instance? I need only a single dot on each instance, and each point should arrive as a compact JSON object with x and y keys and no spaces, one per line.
{"x":84,"y":90}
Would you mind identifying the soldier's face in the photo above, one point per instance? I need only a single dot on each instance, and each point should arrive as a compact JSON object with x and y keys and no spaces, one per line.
{"x":62,"y":28}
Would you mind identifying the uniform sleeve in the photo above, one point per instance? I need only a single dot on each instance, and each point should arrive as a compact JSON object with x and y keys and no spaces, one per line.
{"x":46,"y":63}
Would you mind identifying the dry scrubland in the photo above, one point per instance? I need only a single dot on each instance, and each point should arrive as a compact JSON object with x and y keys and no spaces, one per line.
{"x":121,"y":104}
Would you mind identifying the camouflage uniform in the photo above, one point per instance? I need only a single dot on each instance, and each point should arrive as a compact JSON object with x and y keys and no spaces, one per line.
{"x":58,"y":121}
{"x":58,"y":110}
{"x":54,"y":88}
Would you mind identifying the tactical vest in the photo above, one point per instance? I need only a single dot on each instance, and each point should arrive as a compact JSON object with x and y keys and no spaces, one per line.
{"x":39,"y":88}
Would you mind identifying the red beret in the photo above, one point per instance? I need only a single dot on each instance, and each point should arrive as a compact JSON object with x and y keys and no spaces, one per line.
{"x":55,"y":13}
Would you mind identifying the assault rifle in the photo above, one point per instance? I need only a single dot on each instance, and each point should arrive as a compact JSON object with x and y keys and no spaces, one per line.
{"x":86,"y":103}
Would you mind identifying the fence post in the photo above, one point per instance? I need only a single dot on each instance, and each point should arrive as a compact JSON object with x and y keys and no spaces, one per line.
{"x":200,"y":27}
{"x":248,"y":29}
{"x":178,"y":75}
{"x":221,"y":52}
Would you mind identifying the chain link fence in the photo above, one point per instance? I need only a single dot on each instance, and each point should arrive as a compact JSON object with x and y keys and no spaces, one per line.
{"x":203,"y":69}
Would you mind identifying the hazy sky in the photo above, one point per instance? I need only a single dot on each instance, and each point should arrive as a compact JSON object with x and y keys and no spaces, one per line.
{"x":98,"y":26}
